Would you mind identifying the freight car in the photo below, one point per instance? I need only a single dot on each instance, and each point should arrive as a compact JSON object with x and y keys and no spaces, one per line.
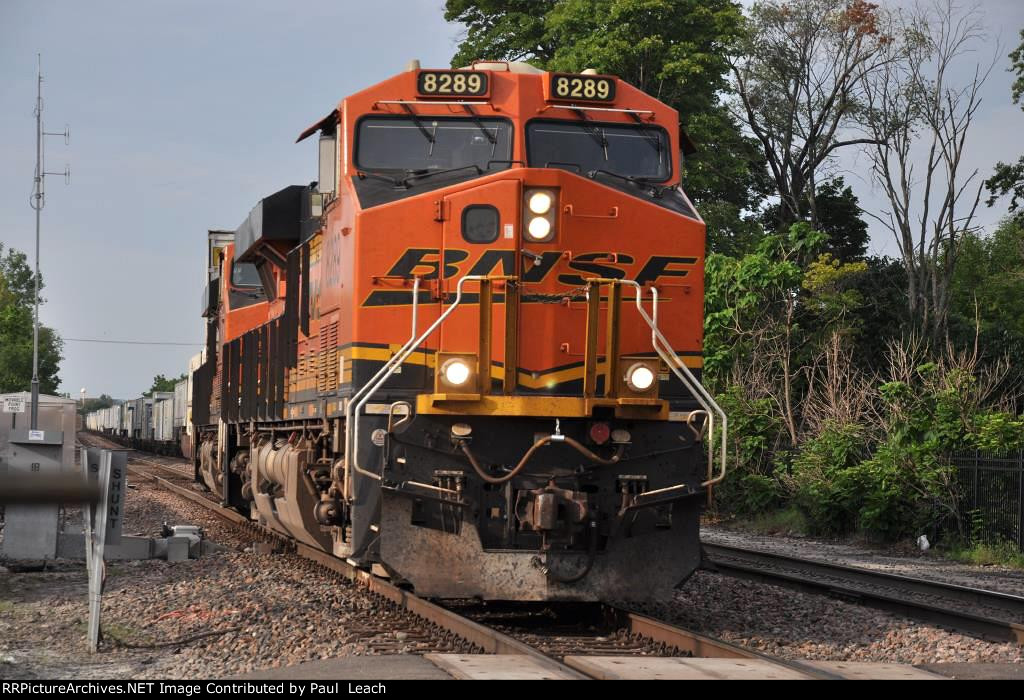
{"x":470,"y":352}
{"x":158,"y":423}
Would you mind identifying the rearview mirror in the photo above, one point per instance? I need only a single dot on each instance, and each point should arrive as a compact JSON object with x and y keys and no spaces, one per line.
{"x":328,"y":163}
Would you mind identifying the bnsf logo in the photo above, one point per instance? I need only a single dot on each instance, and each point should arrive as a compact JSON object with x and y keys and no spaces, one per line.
{"x":426,"y":262}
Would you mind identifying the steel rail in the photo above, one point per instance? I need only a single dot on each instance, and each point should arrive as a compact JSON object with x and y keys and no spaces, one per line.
{"x":489,"y":640}
{"x":758,"y":566}
{"x":698,"y":645}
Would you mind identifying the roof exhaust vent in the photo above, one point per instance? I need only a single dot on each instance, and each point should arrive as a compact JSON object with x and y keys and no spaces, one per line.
{"x":588,"y":71}
{"x":414,"y":64}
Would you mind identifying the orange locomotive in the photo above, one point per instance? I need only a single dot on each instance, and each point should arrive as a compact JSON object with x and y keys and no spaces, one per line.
{"x":470,"y":352}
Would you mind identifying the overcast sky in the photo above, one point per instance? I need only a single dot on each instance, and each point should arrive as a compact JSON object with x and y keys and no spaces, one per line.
{"x":183,"y":114}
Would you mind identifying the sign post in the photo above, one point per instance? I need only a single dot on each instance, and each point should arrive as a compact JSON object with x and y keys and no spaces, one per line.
{"x":96,"y":544}
{"x":103,"y":526}
{"x":14,"y":404}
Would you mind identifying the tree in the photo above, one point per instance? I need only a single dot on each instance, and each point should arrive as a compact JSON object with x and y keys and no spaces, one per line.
{"x":672,"y":49}
{"x":920,"y":119}
{"x":987,"y":288}
{"x":799,"y":74}
{"x":16,"y":314}
{"x":502,"y":30}
{"x":753,"y":335}
{"x":90,"y":405}
{"x":839,"y":215}
{"x":162,"y":383}
{"x":1010,"y":177}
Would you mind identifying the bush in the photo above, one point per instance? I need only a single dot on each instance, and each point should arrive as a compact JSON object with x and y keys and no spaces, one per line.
{"x":822,"y":483}
{"x":750,"y":488}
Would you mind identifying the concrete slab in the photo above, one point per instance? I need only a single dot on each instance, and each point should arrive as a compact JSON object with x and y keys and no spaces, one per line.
{"x":875,"y":671}
{"x":633,"y":668}
{"x":177,"y":549}
{"x":71,"y":545}
{"x":978,"y":671}
{"x":394,"y":667}
{"x":495,"y":667}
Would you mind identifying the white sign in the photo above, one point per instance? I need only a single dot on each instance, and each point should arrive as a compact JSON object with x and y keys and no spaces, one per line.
{"x":36,"y":435}
{"x":14,"y":404}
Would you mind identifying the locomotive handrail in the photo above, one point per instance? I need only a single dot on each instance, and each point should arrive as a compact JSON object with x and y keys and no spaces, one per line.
{"x":360,"y":392}
{"x":356,"y":403}
{"x":683,"y":373}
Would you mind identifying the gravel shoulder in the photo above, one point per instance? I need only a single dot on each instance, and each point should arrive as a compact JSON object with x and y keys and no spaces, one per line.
{"x":797,"y":625}
{"x":267,"y":611}
{"x":263,"y":611}
{"x":904,"y":560}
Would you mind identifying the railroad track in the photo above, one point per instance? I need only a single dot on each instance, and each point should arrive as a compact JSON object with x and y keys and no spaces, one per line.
{"x":620,"y":632}
{"x":557,"y":639}
{"x":644,"y":632}
{"x":995,"y":615}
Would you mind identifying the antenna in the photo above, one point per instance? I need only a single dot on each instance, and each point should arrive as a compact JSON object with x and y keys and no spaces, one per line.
{"x":37,"y":202}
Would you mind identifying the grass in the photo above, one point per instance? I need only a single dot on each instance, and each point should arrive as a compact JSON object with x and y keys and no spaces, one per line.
{"x":6,"y":606}
{"x":788,"y":521}
{"x":987,"y":554}
{"x":120,"y":633}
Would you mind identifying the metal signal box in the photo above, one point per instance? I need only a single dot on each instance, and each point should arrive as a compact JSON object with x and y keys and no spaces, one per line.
{"x":31,"y":530}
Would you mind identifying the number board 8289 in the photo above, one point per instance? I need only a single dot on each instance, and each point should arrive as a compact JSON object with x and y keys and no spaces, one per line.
{"x":452,"y":83}
{"x":581,"y":88}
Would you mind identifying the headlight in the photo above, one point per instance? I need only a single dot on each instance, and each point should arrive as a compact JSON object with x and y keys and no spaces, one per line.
{"x":540,"y":212}
{"x":455,"y":372}
{"x":540,"y":202}
{"x":539,"y":228}
{"x":639,"y":377}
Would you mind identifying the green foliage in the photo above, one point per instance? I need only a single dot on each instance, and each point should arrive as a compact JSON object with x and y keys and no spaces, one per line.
{"x":881,"y":314}
{"x":906,"y":484}
{"x":162,"y":383}
{"x":1010,"y":177}
{"x":754,"y":431}
{"x":822,"y":483}
{"x":998,"y":553}
{"x":746,"y":293}
{"x":502,"y":30}
{"x":829,"y":284}
{"x":755,"y":493}
{"x":996,"y":433}
{"x":986,"y":296}
{"x":671,"y":49}
{"x":90,"y":405}
{"x":786,"y":521}
{"x":16,"y":312}
{"x":1017,"y":67}
{"x":837,"y":213}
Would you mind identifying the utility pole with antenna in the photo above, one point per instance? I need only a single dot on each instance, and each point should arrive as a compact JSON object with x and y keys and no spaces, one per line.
{"x":38,"y":201}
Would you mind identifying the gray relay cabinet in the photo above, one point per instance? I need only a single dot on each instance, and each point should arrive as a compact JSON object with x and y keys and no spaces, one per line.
{"x":31,"y":530}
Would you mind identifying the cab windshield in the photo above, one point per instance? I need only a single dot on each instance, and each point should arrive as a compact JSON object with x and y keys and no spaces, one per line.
{"x":586,"y":147}
{"x":245,"y":275}
{"x":417,"y":146}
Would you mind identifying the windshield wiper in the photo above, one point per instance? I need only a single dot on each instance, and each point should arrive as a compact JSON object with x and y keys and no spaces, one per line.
{"x":480,"y":125}
{"x":362,"y":174}
{"x":556,"y":163}
{"x":656,"y":190}
{"x":649,"y":134}
{"x":419,"y":125}
{"x":431,"y":173}
{"x":595,"y":132}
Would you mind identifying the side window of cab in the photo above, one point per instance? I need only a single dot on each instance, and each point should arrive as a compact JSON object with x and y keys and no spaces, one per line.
{"x":245,"y":287}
